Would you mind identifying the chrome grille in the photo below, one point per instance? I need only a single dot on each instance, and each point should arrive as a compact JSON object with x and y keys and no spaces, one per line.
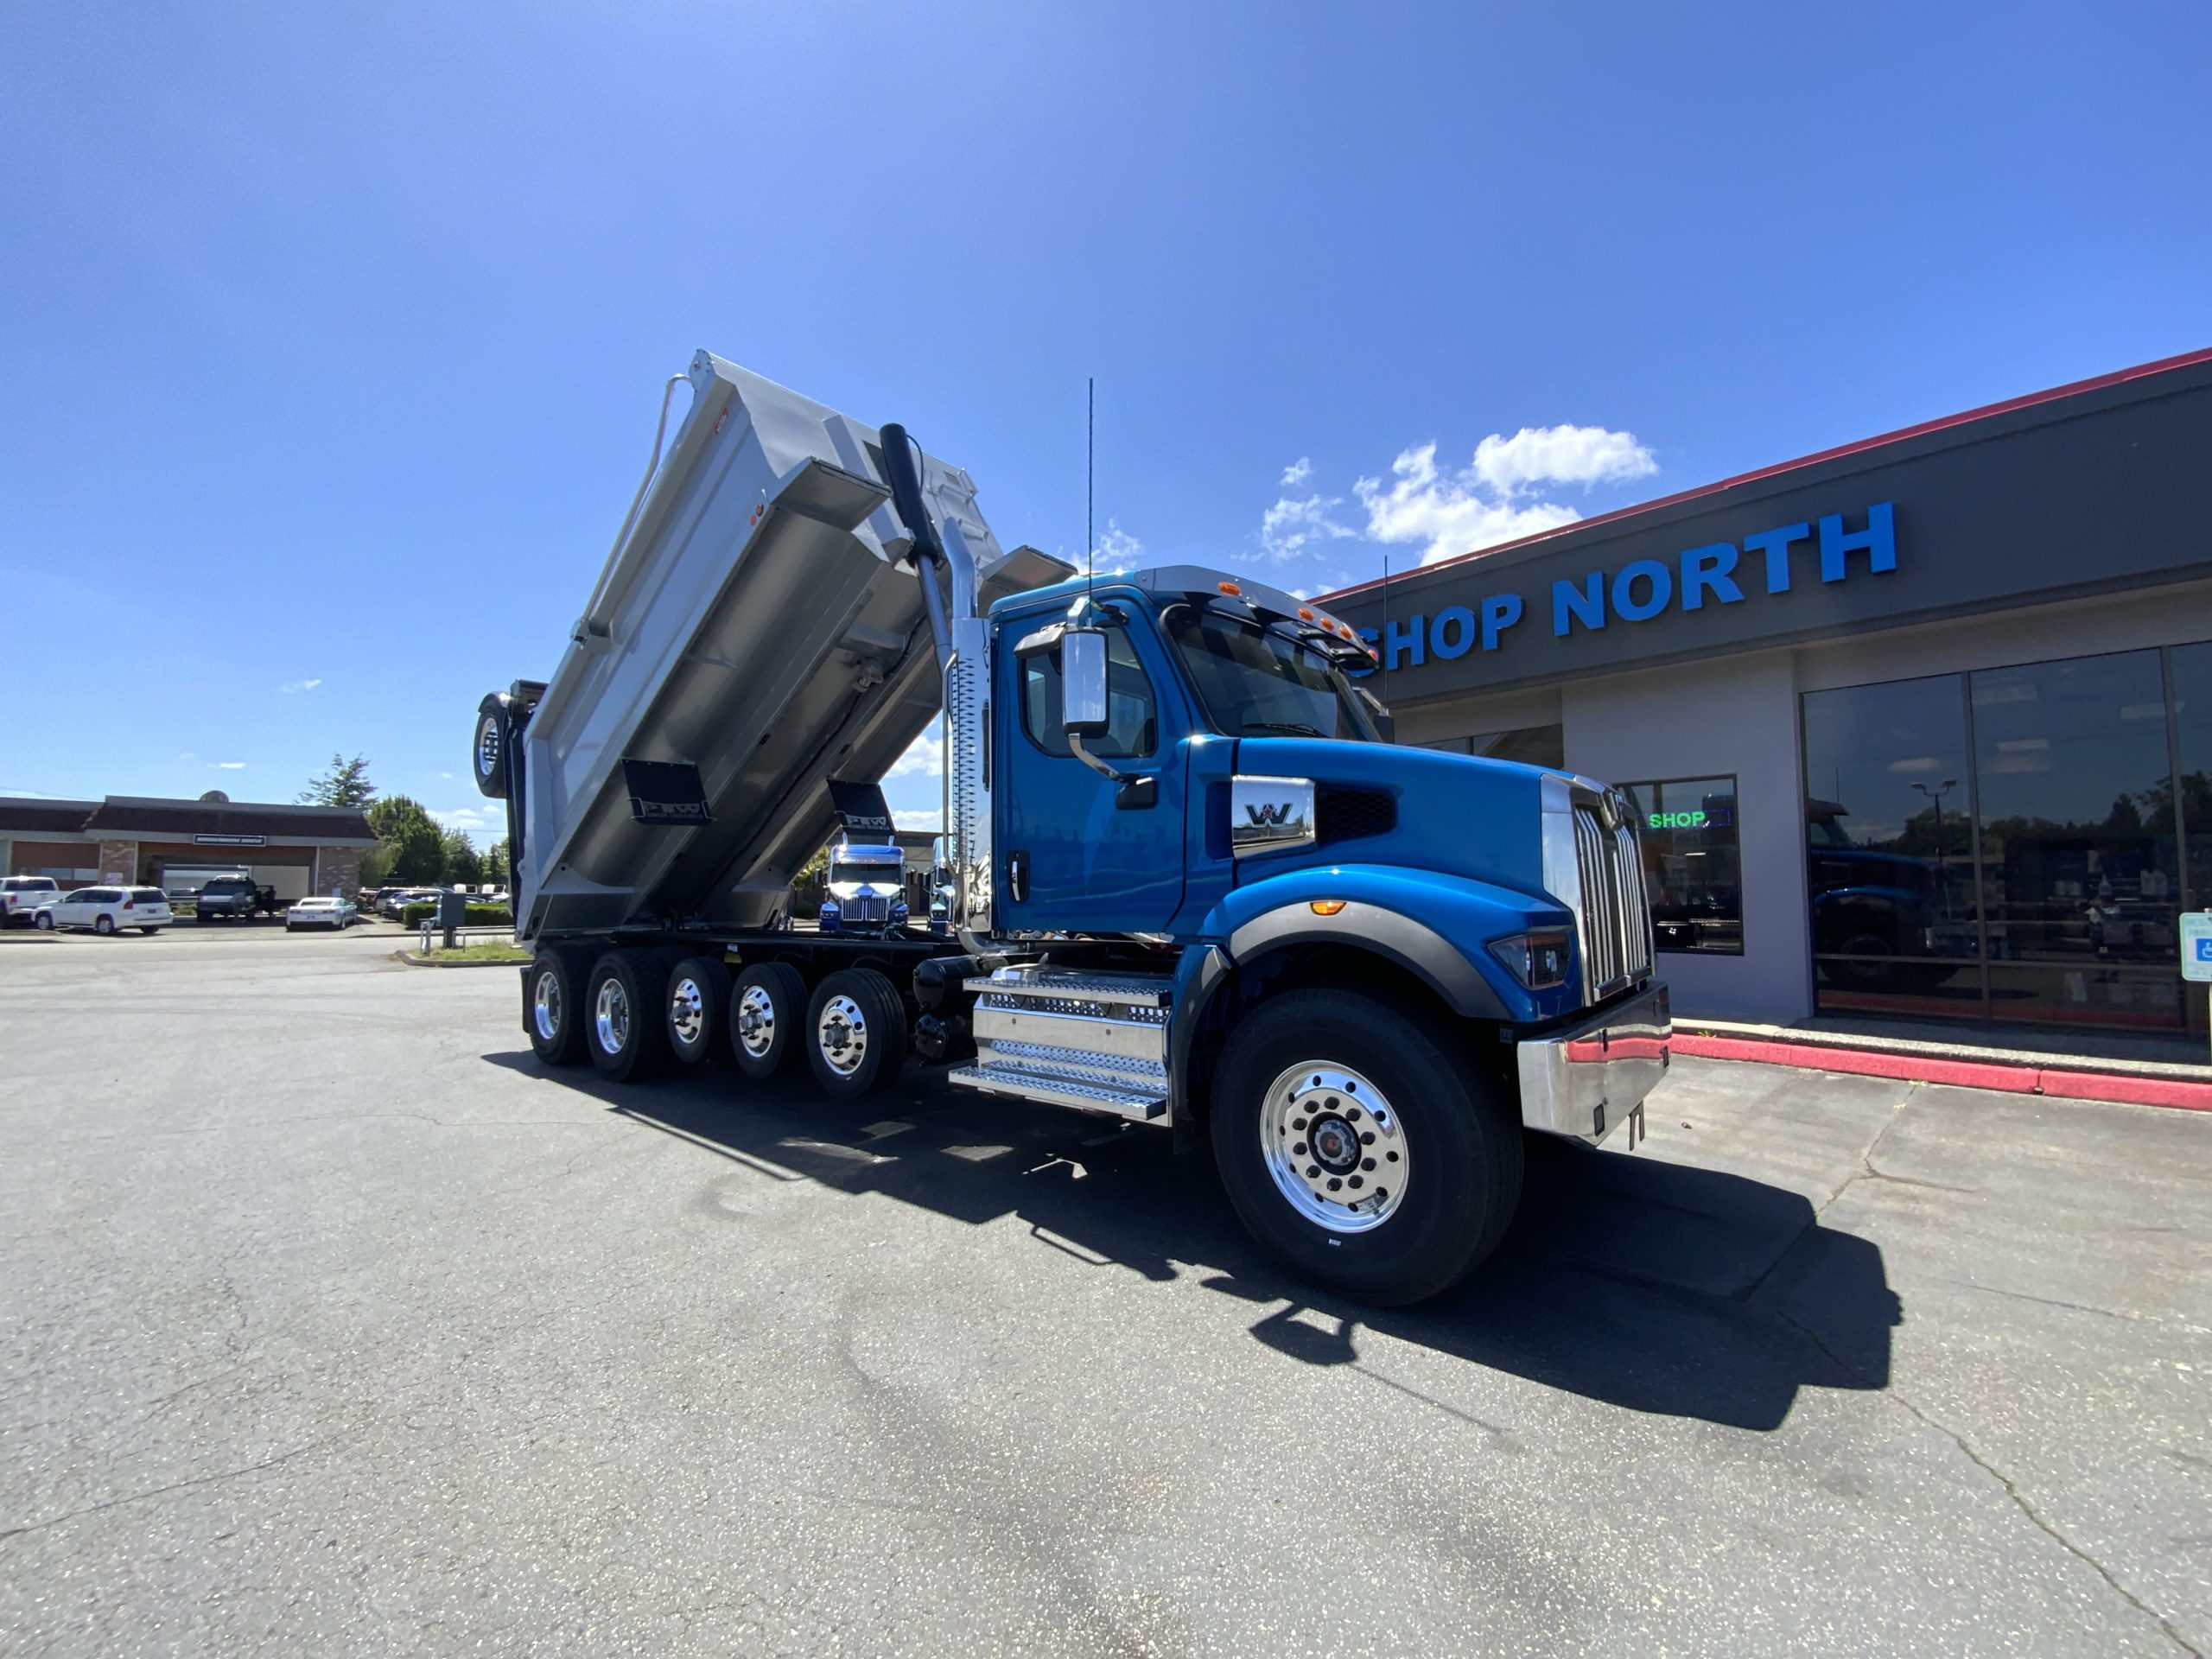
{"x":1616,"y":910}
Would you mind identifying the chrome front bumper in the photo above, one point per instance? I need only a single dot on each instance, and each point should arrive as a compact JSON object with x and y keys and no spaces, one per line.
{"x":1588,"y":1080}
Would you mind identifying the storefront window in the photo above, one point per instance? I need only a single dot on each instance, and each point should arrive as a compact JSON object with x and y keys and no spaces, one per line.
{"x":1692,"y":863}
{"x":2005,"y":844}
{"x":1532,"y":746}
{"x":2079,"y":861}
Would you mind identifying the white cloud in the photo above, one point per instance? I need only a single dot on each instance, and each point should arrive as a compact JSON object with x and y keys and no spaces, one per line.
{"x":291,"y":686}
{"x":446,"y":776}
{"x":1446,"y":514}
{"x":1560,"y":454}
{"x":26,"y":795}
{"x":1118,"y":551}
{"x":919,"y":818}
{"x":471,"y":820}
{"x":1297,"y":473}
{"x":229,"y":766}
{"x":1288,"y":528}
{"x":924,"y":757}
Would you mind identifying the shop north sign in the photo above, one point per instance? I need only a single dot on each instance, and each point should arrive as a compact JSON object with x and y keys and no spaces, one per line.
{"x":1717,"y":575}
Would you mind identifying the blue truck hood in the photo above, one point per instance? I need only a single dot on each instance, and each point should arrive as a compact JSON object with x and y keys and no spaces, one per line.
{"x":1454,"y":814}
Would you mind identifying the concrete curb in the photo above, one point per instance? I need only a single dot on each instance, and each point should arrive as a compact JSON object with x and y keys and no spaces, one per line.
{"x":2006,"y":1076}
{"x":415,"y":961}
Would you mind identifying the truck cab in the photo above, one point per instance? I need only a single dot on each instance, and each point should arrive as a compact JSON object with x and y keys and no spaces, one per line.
{"x":866,"y":890}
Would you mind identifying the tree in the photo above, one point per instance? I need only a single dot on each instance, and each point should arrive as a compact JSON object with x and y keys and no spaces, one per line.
{"x":347,"y":783}
{"x":463,"y":863}
{"x":409,"y":846}
{"x":495,"y":863}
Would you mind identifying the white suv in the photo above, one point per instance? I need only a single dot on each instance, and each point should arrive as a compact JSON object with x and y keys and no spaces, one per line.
{"x":108,"y":909}
{"x":22,"y":895}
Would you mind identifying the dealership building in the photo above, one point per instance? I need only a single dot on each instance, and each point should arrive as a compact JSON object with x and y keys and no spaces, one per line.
{"x":174,"y":845}
{"x":1902,"y":720}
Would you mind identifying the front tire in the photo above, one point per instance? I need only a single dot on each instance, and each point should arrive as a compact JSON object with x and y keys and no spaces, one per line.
{"x":856,"y":1034}
{"x":697,"y":1006}
{"x":43,"y":921}
{"x":1359,"y":1149}
{"x":624,"y":1032}
{"x":103,"y":926}
{"x":150,"y":931}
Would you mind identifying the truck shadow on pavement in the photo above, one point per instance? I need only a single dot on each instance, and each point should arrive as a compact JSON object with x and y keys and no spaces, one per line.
{"x":1657,"y":1286}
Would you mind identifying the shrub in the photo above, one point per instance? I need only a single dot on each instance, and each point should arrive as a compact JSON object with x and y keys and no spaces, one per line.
{"x":426,"y":910}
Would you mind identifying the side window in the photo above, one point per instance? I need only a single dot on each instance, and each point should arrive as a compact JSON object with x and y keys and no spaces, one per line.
{"x":1133,"y":729}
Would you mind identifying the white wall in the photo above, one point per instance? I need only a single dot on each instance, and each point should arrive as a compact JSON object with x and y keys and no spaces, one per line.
{"x":1738,"y":716}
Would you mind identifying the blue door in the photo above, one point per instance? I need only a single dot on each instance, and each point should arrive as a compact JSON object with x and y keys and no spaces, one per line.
{"x":1078,"y":852}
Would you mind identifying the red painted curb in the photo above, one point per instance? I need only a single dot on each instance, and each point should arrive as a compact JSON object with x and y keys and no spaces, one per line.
{"x":1965,"y":1074}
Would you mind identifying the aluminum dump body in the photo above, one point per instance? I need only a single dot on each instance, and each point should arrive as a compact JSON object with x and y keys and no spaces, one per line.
{"x":759,"y":631}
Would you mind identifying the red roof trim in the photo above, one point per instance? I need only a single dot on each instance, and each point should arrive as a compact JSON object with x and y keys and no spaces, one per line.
{"x":2095,"y":382}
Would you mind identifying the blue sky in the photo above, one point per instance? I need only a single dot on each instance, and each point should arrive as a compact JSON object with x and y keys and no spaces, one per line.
{"x":330,"y":337}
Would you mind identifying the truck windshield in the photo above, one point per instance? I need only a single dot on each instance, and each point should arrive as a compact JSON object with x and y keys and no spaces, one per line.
{"x":881,"y":875}
{"x":1258,"y":682}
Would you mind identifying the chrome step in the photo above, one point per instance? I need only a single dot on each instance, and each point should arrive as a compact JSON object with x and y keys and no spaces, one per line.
{"x":1054,"y":1088}
{"x":1076,"y":986}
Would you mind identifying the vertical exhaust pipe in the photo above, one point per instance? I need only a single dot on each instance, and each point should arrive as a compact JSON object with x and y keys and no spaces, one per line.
{"x":964,"y":662}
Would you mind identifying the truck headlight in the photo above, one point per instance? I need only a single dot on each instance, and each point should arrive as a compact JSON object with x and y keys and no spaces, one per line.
{"x":1537,"y":960}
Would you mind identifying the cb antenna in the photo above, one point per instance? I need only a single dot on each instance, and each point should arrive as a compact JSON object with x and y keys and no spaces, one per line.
{"x":1090,"y":491}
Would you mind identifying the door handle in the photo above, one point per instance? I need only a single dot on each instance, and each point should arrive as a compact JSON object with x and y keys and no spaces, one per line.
{"x":1017,"y":876}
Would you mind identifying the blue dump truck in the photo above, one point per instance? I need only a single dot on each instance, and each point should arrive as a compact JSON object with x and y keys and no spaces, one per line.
{"x":1192,"y":883}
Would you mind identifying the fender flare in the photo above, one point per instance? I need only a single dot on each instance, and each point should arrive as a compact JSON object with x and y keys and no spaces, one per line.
{"x":1414,"y":945}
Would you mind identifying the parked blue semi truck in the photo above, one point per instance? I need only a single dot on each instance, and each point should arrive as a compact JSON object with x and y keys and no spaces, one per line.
{"x":1192,"y":883}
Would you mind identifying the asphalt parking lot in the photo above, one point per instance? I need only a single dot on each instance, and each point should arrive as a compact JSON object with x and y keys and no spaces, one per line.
{"x":330,"y":1323}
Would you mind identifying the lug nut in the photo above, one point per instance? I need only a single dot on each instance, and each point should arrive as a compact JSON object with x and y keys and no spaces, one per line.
{"x":1334,"y":1184}
{"x":1367,"y":1163}
{"x":1392,"y":1156}
{"x":1298,"y":1151}
{"x":1352,"y":1112}
{"x":1355,"y":1183}
{"x":1313,"y":1172}
{"x":1367,"y":1137}
{"x":1298,"y":1124}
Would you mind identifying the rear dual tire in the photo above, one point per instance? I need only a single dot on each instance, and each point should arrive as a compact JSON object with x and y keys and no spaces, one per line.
{"x":697,"y":1010}
{"x":1366,"y":1155}
{"x":856,"y":1033}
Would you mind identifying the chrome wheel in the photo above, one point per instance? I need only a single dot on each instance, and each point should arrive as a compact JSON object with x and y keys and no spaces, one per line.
{"x":545,"y":1006}
{"x":487,"y":749}
{"x":612,"y":1016}
{"x":1334,"y":1147}
{"x":843,"y":1035}
{"x":687,"y":1010}
{"x":756,"y":1022}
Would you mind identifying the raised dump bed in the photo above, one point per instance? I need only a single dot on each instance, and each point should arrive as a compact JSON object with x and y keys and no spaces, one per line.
{"x":759,"y":631}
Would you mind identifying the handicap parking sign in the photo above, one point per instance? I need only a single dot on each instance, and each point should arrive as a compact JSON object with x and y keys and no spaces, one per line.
{"x":2196,"y":945}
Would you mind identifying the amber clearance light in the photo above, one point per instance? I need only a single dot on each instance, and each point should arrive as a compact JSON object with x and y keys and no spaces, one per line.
{"x":1326,"y":906}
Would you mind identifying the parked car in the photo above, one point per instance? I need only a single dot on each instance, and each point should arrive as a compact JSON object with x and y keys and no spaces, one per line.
{"x":22,"y":895}
{"x":108,"y":909}
{"x":233,"y":898}
{"x":336,"y":914}
{"x":393,"y":901}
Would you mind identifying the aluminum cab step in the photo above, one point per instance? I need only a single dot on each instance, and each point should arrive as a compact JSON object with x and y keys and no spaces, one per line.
{"x":1094,"y":1041}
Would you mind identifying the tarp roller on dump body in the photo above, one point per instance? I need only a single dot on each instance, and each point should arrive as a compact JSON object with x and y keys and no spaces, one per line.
{"x":757,"y":632}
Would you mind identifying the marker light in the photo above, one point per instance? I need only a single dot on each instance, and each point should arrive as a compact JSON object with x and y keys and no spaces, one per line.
{"x":1230,"y":588}
{"x":1326,"y":906}
{"x":1345,"y":628}
{"x":1304,"y":614}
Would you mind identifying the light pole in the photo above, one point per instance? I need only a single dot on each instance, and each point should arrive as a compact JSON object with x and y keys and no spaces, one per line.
{"x":1935,"y":797}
